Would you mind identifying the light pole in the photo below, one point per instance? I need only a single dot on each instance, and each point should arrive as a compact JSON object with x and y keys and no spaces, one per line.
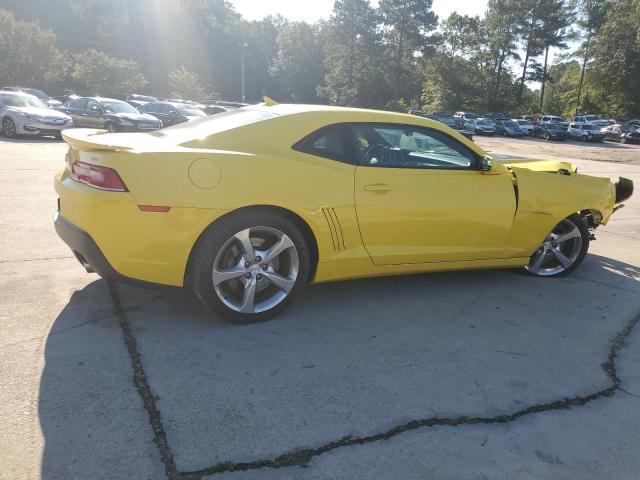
{"x":244,"y":45}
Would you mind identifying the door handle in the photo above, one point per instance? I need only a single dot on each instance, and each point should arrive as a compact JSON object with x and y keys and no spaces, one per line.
{"x":378,"y":187}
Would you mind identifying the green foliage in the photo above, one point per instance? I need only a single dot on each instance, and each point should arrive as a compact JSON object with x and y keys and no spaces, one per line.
{"x":186,"y":84}
{"x":101,"y":74}
{"x":29,"y":56}
{"x":387,"y":54}
{"x":615,"y":69}
{"x":296,"y":71}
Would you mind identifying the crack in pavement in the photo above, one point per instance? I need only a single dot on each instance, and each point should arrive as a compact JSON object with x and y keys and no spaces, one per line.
{"x":302,"y":457}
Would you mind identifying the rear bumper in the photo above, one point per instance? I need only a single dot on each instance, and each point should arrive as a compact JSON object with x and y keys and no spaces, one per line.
{"x":90,"y":256}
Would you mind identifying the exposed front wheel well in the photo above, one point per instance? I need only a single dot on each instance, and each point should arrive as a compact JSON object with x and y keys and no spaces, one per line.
{"x":592,"y":217}
{"x":304,"y":227}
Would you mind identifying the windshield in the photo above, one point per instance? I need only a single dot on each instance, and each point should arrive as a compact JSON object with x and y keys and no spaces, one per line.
{"x":556,"y":119}
{"x":484,"y":121}
{"x":554,"y":126}
{"x":511,"y":124}
{"x":590,"y":118}
{"x":116,"y":106}
{"x":22,"y":101}
{"x":590,"y":127}
{"x":524,"y":122}
{"x":470,"y":116}
{"x":191,"y":112}
{"x":143,"y":98}
{"x":38,"y":93}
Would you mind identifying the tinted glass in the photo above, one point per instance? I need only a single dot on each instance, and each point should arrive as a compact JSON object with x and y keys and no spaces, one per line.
{"x":22,"y":101}
{"x":330,"y":142}
{"x":399,"y":146}
{"x":116,"y":106}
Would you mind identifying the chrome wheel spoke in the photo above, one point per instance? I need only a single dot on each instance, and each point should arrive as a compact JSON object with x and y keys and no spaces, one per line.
{"x":280,"y":246}
{"x":563,"y":237}
{"x":226,"y":274}
{"x":244,"y":239}
{"x":248,"y":297}
{"x":562,"y":258}
{"x":283,"y":283}
{"x":536,"y":260}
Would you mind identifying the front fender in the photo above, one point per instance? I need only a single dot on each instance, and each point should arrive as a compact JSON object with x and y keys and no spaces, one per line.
{"x":544,"y":199}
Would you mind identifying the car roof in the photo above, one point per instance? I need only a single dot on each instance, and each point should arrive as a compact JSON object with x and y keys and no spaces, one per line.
{"x":99,"y":99}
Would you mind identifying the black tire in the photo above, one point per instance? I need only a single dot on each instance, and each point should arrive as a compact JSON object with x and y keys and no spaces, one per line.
{"x":199,"y":274}
{"x":8,"y":128}
{"x":110,"y":127}
{"x":623,"y":140}
{"x":581,"y":225}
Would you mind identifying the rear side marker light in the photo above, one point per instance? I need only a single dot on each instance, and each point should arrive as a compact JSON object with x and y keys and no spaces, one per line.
{"x":154,"y":208}
{"x":96,"y":176}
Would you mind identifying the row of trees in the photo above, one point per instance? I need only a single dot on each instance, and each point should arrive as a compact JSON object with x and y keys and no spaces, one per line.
{"x":396,"y":55}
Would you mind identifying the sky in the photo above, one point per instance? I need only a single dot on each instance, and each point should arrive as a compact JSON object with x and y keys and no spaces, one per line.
{"x":312,"y":10}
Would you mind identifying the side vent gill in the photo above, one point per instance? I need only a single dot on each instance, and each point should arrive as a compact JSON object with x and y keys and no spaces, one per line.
{"x":333,"y":222}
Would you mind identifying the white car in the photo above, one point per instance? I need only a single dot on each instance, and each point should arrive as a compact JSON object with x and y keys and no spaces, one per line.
{"x":592,"y":119}
{"x":525,"y":125}
{"x":24,"y":114}
{"x":587,"y":132}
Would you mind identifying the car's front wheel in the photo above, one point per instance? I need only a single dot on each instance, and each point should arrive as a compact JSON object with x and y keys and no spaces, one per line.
{"x":562,"y":250}
{"x":249,"y":266}
{"x":8,"y":128}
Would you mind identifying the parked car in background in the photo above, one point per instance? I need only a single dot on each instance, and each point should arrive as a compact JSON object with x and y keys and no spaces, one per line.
{"x":137,"y":101}
{"x":171,"y":113}
{"x":481,"y":126}
{"x":446,"y":118}
{"x":550,"y":131}
{"x":526,"y":126}
{"x":531,"y":118}
{"x":108,"y":113}
{"x":587,"y":132}
{"x":495,"y":115}
{"x":553,"y":119}
{"x":617,"y":133}
{"x":214,"y":109}
{"x":24,"y":114}
{"x":463,"y":117}
{"x":51,"y":102}
{"x":592,"y":119}
{"x":508,"y":128}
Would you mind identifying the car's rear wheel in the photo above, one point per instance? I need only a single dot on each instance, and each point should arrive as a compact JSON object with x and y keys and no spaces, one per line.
{"x":249,"y":266}
{"x":8,"y":128}
{"x":111,"y":127}
{"x":563,"y":249}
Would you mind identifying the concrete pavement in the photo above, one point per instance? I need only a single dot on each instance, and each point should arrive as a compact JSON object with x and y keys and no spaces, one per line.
{"x":468,"y":375}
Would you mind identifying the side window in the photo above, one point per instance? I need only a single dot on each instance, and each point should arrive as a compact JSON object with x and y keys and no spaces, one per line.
{"x":79,"y":104}
{"x":333,"y":142}
{"x":93,"y":106}
{"x":404,"y":146}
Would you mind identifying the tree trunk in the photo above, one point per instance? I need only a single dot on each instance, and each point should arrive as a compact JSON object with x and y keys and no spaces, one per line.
{"x":544,"y":76}
{"x":526,"y":63}
{"x":584,"y":66}
{"x":498,"y":74}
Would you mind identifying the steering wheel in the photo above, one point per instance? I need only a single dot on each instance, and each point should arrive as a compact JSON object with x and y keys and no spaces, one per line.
{"x":376,"y":154}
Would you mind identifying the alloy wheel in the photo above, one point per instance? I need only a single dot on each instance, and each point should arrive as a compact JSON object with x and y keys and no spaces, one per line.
{"x":9,"y":128}
{"x":558,"y":252}
{"x":255,"y":269}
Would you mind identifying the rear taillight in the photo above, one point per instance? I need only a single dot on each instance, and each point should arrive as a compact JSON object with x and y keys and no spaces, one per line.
{"x":96,"y":176}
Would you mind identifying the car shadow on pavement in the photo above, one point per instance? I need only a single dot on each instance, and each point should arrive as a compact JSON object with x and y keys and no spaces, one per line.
{"x":346,"y":358}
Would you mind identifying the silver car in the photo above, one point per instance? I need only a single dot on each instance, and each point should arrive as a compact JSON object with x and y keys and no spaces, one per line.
{"x":24,"y":114}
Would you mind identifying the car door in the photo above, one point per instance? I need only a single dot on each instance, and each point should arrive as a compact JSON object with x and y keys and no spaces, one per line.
{"x":420,"y":197}
{"x":95,"y":117}
{"x":170,"y":115}
{"x":76,"y":109}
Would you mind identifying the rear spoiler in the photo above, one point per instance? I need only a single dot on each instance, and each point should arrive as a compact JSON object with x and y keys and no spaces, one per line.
{"x":91,"y":139}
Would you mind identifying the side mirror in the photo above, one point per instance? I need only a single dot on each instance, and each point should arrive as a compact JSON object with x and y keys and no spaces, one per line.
{"x":486,"y":164}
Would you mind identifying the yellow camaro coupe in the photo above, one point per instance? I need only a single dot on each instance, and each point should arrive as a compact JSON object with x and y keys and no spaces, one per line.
{"x":247,"y":206}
